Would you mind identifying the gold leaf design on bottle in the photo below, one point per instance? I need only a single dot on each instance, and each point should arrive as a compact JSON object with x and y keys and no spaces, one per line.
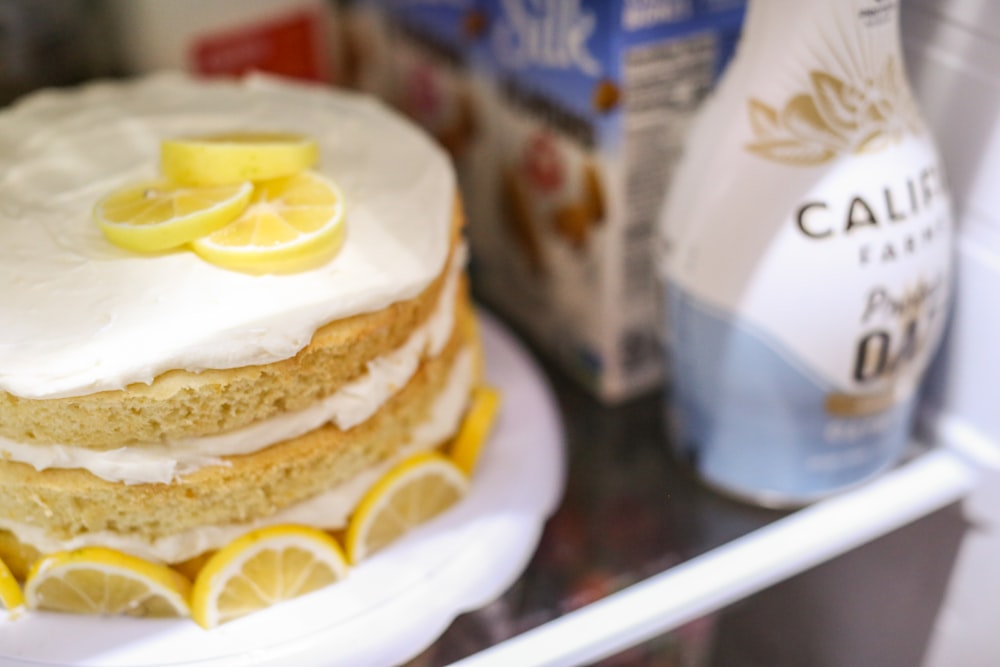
{"x":835,"y":117}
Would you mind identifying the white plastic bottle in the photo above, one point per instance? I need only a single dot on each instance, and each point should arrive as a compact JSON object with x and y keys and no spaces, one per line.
{"x":806,"y":246}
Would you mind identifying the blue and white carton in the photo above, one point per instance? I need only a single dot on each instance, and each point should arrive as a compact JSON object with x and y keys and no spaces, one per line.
{"x":584,"y":109}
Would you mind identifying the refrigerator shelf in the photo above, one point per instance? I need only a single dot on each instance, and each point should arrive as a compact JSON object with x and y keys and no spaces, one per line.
{"x":735,"y":570}
{"x":639,"y":550}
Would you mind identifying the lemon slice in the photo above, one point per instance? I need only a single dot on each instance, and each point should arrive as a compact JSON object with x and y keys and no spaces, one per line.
{"x":95,"y":580}
{"x":467,"y":446}
{"x":263,"y":567}
{"x":291,"y":224}
{"x":159,"y":215}
{"x":225,"y":159}
{"x":10,"y":591}
{"x":416,"y":490}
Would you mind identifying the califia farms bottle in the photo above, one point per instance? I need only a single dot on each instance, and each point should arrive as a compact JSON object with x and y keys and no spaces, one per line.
{"x":806,"y":246}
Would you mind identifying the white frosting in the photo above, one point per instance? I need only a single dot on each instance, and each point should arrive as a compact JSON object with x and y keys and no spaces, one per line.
{"x":328,"y":510}
{"x":349,"y":406}
{"x":79,"y":315}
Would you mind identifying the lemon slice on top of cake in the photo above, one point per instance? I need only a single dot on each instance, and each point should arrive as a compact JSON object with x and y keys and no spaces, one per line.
{"x":149,"y":216}
{"x":235,"y":157}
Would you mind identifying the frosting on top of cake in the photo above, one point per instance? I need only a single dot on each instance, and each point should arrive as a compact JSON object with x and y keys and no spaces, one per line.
{"x":79,"y":315}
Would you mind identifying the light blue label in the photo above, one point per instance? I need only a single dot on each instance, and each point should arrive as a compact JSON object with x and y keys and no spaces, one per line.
{"x":753,"y":423}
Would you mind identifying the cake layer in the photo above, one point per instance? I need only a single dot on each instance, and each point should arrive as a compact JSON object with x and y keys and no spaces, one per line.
{"x":349,"y":405}
{"x":68,"y":503}
{"x":182,"y":404}
{"x":80,"y":316}
{"x":328,"y":509}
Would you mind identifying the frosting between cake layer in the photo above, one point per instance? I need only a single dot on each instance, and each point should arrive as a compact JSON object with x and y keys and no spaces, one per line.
{"x":349,"y":406}
{"x":79,"y":315}
{"x":328,"y":510}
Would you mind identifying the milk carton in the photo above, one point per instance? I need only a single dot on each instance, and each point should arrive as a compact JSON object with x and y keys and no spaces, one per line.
{"x":591,"y":100}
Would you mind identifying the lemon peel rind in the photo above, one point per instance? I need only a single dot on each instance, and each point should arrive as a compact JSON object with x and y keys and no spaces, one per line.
{"x":11,"y":595}
{"x":467,"y":447}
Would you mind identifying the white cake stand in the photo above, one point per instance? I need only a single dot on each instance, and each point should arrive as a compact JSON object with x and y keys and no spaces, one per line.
{"x":392,"y":606}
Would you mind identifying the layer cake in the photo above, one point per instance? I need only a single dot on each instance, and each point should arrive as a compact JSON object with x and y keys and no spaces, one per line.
{"x":162,"y":406}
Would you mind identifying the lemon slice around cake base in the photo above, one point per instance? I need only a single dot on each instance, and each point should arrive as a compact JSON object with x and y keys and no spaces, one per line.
{"x":413,"y":492}
{"x":96,"y":580}
{"x":264,"y":567}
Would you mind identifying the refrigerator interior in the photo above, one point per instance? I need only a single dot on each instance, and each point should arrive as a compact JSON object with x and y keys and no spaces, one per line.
{"x":641,"y":565}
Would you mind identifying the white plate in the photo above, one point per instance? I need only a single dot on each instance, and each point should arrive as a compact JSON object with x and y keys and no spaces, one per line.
{"x":392,"y":606}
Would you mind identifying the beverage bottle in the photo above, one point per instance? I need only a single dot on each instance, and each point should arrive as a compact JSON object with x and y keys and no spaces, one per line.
{"x":806,"y":247}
